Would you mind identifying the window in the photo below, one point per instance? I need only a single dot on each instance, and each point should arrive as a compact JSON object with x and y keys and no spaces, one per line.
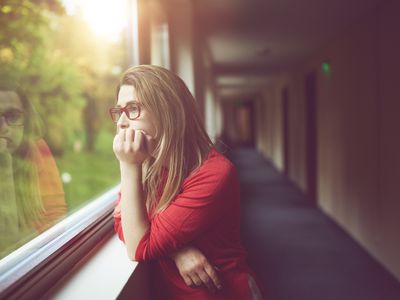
{"x":59,"y":65}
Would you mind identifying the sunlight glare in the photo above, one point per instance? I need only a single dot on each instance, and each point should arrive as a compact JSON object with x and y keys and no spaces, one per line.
{"x":106,"y":18}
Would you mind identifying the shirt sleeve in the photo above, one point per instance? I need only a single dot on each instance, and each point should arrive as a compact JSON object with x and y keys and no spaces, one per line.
{"x":117,"y":219}
{"x":201,"y":204}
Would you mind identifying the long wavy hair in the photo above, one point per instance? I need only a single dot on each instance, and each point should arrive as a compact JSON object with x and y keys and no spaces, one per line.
{"x":182,"y":141}
{"x":26,"y":174}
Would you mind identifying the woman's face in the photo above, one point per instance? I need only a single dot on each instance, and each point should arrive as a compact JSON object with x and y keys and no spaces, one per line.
{"x":11,"y":113}
{"x":144,"y":122}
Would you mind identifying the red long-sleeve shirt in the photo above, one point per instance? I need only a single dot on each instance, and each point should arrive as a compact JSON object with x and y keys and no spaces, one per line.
{"x":206,"y":215}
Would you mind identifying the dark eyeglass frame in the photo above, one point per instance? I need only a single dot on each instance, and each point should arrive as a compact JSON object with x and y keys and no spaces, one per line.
{"x":125,"y":110}
{"x":4,"y":115}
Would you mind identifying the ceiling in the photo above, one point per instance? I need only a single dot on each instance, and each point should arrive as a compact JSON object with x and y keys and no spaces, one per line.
{"x":251,"y":40}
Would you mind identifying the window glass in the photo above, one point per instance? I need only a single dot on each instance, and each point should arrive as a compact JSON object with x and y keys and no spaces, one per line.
{"x":59,"y":65}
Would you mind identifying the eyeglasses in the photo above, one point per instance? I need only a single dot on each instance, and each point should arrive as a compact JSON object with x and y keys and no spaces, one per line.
{"x":13,"y":117}
{"x":131,"y":110}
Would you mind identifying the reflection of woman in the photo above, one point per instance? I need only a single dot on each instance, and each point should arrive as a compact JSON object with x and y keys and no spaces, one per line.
{"x":179,"y":204}
{"x":32,"y":197}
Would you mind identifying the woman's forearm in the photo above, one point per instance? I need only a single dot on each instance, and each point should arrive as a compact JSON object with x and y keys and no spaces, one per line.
{"x":134,"y":218}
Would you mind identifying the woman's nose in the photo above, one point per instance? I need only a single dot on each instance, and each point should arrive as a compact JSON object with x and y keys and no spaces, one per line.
{"x":123,"y":121}
{"x":3,"y":123}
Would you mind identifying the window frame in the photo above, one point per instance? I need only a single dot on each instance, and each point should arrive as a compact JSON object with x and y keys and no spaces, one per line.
{"x":31,"y":270}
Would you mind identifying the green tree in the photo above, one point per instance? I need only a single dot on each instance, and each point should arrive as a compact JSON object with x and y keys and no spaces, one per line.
{"x":53,"y":86}
{"x":96,"y":58}
{"x":67,"y":71}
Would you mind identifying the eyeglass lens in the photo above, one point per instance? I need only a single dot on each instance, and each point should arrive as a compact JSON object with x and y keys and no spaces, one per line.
{"x":13,"y":117}
{"x":131,"y":110}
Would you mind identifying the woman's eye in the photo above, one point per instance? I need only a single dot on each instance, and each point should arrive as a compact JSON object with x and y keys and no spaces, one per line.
{"x":132,"y":108}
{"x":14,"y":116}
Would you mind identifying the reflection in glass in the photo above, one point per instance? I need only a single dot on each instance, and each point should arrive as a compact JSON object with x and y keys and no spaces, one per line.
{"x":53,"y":60}
{"x":31,"y":194}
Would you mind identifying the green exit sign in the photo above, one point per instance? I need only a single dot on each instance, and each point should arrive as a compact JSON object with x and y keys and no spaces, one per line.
{"x":326,"y":68}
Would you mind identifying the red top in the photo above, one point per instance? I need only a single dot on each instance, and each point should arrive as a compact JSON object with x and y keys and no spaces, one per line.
{"x":206,"y":215}
{"x":51,"y":188}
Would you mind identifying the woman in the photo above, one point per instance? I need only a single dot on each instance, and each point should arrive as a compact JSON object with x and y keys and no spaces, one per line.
{"x":179,"y":203}
{"x":31,"y":194}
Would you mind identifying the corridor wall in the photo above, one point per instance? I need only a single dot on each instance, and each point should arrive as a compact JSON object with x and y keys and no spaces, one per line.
{"x":358,"y":164}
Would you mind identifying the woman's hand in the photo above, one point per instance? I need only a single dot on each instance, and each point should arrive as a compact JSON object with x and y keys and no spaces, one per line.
{"x":132,"y":146}
{"x":195,"y":269}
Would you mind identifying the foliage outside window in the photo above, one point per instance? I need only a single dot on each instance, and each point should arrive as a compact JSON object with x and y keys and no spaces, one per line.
{"x":59,"y":77}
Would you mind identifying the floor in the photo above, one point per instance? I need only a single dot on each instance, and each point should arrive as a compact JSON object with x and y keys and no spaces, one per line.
{"x":297,"y":251}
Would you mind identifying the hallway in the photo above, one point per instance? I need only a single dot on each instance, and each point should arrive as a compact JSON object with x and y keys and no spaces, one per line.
{"x":307,"y":90}
{"x":297,"y":251}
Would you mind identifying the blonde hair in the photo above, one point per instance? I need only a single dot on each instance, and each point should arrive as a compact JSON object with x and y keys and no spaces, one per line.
{"x":183,"y":144}
{"x":29,"y":204}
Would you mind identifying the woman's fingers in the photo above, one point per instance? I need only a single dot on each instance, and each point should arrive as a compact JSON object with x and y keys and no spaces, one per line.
{"x":129,"y":135}
{"x":196,"y":280}
{"x":213,"y":275}
{"x":118,"y":141}
{"x":130,"y":146}
{"x":147,"y":142}
{"x":206,"y":277}
{"x":138,"y":144}
{"x":207,"y":281}
{"x":192,"y":264}
{"x":188,"y":281}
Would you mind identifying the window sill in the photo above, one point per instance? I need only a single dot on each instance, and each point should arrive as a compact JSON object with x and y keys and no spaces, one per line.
{"x":30,"y":271}
{"x":101,"y":275}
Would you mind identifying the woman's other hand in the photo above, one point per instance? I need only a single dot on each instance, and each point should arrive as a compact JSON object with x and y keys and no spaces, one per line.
{"x":195,"y":269}
{"x":132,"y":146}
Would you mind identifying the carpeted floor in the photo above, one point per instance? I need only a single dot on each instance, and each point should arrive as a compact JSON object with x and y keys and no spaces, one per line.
{"x":298,"y":252}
